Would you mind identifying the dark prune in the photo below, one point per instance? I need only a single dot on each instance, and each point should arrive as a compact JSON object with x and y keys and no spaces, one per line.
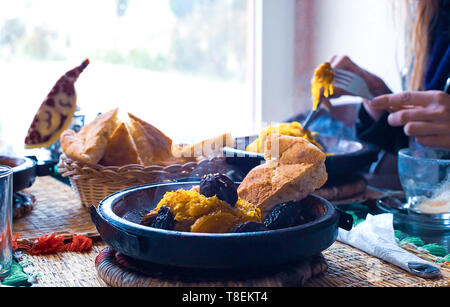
{"x":249,"y":227}
{"x":164,"y":220}
{"x":148,"y":218}
{"x":221,"y":186}
{"x":284,"y":215}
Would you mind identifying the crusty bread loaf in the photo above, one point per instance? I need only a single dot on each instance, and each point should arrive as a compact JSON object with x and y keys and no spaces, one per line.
{"x":292,"y":150}
{"x":152,"y":145}
{"x":111,"y":142}
{"x":294,"y":168}
{"x":90,"y":143}
{"x":120,"y":149}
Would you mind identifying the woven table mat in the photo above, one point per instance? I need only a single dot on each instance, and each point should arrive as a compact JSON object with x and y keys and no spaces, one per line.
{"x":347,"y":267}
{"x":121,"y":271}
{"x":57,"y":210}
{"x":68,"y":269}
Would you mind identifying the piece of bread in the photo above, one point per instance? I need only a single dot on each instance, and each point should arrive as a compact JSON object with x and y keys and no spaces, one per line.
{"x":153,"y":146}
{"x":294,"y":169}
{"x":111,"y":142}
{"x":120,"y":149}
{"x":89,"y":145}
{"x":292,"y":150}
{"x":208,"y":148}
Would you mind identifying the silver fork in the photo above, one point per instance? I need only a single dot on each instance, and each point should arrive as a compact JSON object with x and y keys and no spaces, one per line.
{"x":351,"y":83}
{"x":347,"y":81}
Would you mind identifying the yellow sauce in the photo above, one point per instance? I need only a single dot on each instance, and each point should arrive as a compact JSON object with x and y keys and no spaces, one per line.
{"x":290,"y":129}
{"x":323,"y":79}
{"x":195,"y":212}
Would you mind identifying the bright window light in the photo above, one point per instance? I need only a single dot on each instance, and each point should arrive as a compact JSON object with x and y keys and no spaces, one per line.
{"x":185,"y":66}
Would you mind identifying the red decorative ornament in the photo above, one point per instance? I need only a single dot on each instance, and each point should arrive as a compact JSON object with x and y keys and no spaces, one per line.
{"x":52,"y":244}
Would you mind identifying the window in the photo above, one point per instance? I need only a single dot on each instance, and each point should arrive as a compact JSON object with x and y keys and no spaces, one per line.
{"x":186,"y":66}
{"x":193,"y":68}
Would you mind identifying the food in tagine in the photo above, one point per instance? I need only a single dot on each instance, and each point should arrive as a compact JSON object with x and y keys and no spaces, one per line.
{"x":221,"y":186}
{"x":267,"y":199}
{"x":250,"y":227}
{"x":323,"y":79}
{"x":56,"y":112}
{"x":291,"y":129}
{"x":109,"y":141}
{"x":294,"y":169}
{"x":196,"y":212}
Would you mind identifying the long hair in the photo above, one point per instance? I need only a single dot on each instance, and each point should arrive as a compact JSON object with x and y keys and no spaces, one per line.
{"x":420,"y":18}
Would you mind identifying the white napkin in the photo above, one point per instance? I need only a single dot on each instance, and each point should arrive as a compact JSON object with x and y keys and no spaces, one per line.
{"x":376,"y":237}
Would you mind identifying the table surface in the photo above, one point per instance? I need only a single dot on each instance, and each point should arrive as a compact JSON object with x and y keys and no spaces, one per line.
{"x":348,"y":267}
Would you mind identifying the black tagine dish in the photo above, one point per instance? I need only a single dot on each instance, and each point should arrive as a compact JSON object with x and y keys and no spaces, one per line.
{"x":118,"y":219}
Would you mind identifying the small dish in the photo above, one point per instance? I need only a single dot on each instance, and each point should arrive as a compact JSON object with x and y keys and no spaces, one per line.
{"x":397,"y":204}
{"x":26,"y":169}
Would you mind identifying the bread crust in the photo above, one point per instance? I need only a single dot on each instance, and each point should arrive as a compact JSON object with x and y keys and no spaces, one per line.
{"x":120,"y":149}
{"x":89,"y":145}
{"x":297,"y":170}
{"x":111,"y":142}
{"x":152,"y":145}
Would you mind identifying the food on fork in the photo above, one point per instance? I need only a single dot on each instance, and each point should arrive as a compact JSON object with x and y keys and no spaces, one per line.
{"x":291,"y":129}
{"x":56,"y":112}
{"x":294,"y":169}
{"x":323,"y":79}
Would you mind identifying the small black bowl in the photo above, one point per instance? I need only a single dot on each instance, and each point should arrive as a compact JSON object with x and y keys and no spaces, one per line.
{"x":348,"y":156}
{"x":26,"y":169}
{"x":117,"y":220}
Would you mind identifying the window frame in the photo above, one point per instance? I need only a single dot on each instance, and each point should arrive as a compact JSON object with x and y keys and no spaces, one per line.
{"x":274,"y":60}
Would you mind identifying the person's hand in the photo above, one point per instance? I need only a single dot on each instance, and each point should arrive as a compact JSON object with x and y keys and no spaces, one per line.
{"x":424,"y":115}
{"x":376,"y":85}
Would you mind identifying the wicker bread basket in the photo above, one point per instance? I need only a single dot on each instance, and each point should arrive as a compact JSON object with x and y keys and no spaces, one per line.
{"x":93,"y":183}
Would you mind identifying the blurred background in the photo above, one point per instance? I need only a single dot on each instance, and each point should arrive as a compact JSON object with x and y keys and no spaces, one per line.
{"x":192,"y":68}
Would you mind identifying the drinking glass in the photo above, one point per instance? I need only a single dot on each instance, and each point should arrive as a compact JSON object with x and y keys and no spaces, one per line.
{"x":5,"y":220}
{"x":425,"y":177}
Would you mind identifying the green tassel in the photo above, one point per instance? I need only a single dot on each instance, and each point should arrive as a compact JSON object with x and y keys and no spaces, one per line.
{"x":435,"y":250}
{"x":353,"y":214}
{"x":398,"y":234}
{"x":414,"y":240}
{"x":17,"y":277}
{"x":357,"y":221}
